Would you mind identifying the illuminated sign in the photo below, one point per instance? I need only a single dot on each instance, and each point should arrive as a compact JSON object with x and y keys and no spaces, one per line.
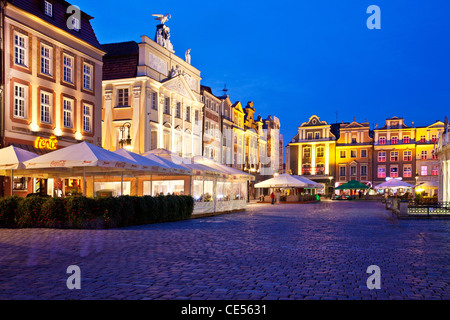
{"x":49,"y":144}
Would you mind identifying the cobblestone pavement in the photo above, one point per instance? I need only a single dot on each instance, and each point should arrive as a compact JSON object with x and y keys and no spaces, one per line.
{"x":290,"y":251}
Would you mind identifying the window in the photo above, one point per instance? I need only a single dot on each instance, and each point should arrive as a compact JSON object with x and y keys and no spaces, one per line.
{"x":424,"y":170}
{"x":363,"y":170}
{"x":424,"y":155}
{"x":188,"y":114}
{"x":21,"y":49}
{"x":46,"y":58}
{"x":435,"y":171}
{"x":20,"y":183}
{"x":382,"y":140}
{"x":306,"y":152}
{"x":196,"y":117}
{"x":87,"y":118}
{"x":407,"y":155}
{"x":394,"y":140}
{"x":434,"y":156}
{"x":353,"y":153}
{"x":68,"y":113}
{"x":406,"y":139}
{"x":68,"y":68}
{"x":422,"y":139}
{"x":394,"y":172}
{"x":45,"y":107}
{"x":75,"y":24}
{"x":309,"y":136}
{"x":122,"y":97}
{"x":394,"y":156}
{"x":353,"y":140}
{"x":87,"y":76}
{"x":342,"y":154}
{"x":20,"y":101}
{"x":382,"y":156}
{"x":407,"y":171}
{"x":342,"y":171}
{"x":381,"y":172}
{"x":167,"y":105}
{"x":178,"y":110}
{"x":320,"y":152}
{"x":433,"y":138}
{"x":154,"y":101}
{"x":353,"y":171}
{"x":363,"y":153}
{"x":48,"y":8}
{"x":317,"y":135}
{"x":207,"y":130}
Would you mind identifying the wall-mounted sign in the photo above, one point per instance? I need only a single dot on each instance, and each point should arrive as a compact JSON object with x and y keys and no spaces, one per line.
{"x":49,"y":144}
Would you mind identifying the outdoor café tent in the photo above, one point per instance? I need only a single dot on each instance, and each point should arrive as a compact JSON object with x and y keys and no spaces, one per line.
{"x":13,"y":158}
{"x":283,"y":181}
{"x":352,"y":185}
{"x":85,"y":156}
{"x":311,"y":184}
{"x":394,"y":184}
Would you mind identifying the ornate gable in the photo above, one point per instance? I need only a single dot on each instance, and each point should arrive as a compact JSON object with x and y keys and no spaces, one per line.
{"x":180,"y":86}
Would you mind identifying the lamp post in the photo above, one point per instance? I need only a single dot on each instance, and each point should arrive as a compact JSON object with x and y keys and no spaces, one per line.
{"x":125,"y":142}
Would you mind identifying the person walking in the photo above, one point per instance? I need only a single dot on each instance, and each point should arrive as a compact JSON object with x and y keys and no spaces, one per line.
{"x":272,"y":196}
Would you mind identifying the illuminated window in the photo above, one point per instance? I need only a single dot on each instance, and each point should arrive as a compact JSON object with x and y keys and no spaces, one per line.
{"x":87,"y":76}
{"x":87,"y":118}
{"x":20,"y":101}
{"x":424,"y":155}
{"x":306,"y":152}
{"x":394,"y":140}
{"x":381,"y":172}
{"x":407,"y":155}
{"x":382,"y":140}
{"x":68,"y":68}
{"x":342,"y":154}
{"x":67,"y":113}
{"x":424,"y":170}
{"x":21,"y":49}
{"x":394,"y":155}
{"x":422,"y":139}
{"x":435,"y":171}
{"x":320,"y":152}
{"x":46,"y":59}
{"x":433,"y":138}
{"x":381,"y":156}
{"x":407,"y":171}
{"x":394,"y":172}
{"x":45,"y":107}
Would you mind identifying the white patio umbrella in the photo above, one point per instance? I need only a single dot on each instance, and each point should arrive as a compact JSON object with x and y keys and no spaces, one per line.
{"x":282,"y":181}
{"x":393,"y":184}
{"x":83,"y":155}
{"x":13,"y":158}
{"x":311,"y":184}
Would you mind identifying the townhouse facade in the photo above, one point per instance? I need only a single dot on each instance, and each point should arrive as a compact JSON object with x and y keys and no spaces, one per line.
{"x":51,"y":79}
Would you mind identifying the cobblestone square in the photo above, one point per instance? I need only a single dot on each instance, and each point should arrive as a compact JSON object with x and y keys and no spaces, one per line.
{"x":286,"y":251}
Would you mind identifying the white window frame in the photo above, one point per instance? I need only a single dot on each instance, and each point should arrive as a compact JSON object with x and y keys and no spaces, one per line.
{"x":154,"y":100}
{"x":45,"y":107}
{"x":68,"y":68}
{"x":379,"y":170}
{"x":88,"y":73}
{"x":46,"y":66}
{"x":48,"y":8}
{"x":21,"y":49}
{"x":125,"y":96}
{"x":20,"y":111}
{"x":87,"y":117}
{"x":66,"y":111}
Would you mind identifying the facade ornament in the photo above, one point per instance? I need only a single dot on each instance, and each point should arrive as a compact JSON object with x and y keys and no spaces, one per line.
{"x":175,"y":72}
{"x":162,"y":36}
{"x":187,"y":56}
{"x":162,"y":18}
{"x":136,"y":92}
{"x":108,"y":95}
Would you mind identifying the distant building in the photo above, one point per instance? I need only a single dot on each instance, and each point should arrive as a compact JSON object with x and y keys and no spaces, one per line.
{"x":312,"y":153}
{"x":443,"y":153}
{"x":354,"y":153}
{"x":212,"y":134}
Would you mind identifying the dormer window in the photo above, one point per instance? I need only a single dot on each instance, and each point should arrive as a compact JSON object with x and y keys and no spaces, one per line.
{"x":75,"y":24}
{"x":48,"y":8}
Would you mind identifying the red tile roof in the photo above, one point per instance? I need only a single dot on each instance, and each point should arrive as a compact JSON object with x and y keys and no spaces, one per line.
{"x":121,"y":60}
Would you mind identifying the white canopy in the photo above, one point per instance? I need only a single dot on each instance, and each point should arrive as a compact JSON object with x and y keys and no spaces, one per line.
{"x":12,"y":158}
{"x":176,"y":168}
{"x":232,"y":172}
{"x":394,"y":183}
{"x":311,"y":184}
{"x":146,"y":164}
{"x":81,"y":155}
{"x":282,"y":181}
{"x":428,"y":184}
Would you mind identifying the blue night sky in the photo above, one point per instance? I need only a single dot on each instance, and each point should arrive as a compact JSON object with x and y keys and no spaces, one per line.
{"x":298,"y":58}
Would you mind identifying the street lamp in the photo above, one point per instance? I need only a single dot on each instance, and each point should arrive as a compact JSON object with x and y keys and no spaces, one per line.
{"x":125,"y":142}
